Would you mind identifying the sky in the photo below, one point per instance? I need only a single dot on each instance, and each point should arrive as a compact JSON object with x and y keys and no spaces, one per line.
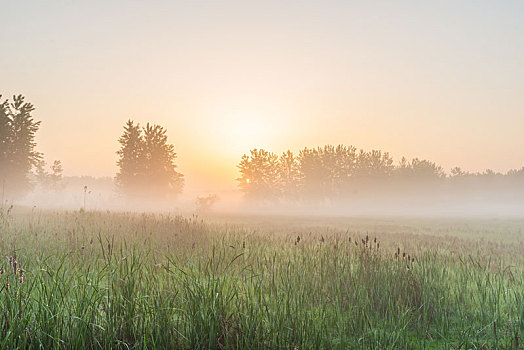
{"x":438,"y":80}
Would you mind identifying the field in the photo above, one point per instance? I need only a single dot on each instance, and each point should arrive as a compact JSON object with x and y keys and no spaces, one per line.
{"x":123,"y":280}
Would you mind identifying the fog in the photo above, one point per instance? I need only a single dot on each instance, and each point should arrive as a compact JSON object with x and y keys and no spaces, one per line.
{"x":503,"y":198}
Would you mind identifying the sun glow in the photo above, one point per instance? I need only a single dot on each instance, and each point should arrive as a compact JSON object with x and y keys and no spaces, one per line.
{"x":246,"y":130}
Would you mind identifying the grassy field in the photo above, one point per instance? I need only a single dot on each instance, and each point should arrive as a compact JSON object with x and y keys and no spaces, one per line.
{"x":115,"y":280}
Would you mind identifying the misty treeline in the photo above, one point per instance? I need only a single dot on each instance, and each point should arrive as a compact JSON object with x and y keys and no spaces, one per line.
{"x":343,"y":173}
{"x":147,"y":163}
{"x":146,"y":159}
{"x":18,"y":155}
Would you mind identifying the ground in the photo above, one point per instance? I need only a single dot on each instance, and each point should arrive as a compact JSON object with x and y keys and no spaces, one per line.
{"x":125,"y":280}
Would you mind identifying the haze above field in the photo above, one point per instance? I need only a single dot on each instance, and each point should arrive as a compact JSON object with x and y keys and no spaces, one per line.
{"x":441,"y":81}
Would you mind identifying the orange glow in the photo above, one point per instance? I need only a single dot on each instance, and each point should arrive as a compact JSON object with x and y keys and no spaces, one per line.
{"x":224,"y":79}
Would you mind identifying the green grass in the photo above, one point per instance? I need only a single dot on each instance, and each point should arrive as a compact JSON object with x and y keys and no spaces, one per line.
{"x":109,"y":280}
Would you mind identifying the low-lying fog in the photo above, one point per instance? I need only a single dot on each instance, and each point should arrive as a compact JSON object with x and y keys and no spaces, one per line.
{"x":101,"y":194}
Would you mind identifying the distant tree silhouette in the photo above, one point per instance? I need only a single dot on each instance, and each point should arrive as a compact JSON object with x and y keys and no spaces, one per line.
{"x":147,"y":163}
{"x":259,"y":175}
{"x":314,"y":174}
{"x":50,"y":180}
{"x":333,"y":173}
{"x":289,"y":176}
{"x":426,"y":170}
{"x":130,"y":177}
{"x":159,"y":163}
{"x":17,"y":145}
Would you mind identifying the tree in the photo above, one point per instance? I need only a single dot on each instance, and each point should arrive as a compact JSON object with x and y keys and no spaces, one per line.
{"x":17,"y":144}
{"x":159,"y":163}
{"x":147,"y":163}
{"x":314,"y":173}
{"x":289,"y":175}
{"x":131,"y":163}
{"x":50,"y":180}
{"x":259,"y":175}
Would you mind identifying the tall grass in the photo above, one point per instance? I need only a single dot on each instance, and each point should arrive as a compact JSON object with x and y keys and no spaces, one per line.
{"x":104,"y":280}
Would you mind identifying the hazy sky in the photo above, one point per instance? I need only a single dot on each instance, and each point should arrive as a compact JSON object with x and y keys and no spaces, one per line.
{"x":440,"y":80}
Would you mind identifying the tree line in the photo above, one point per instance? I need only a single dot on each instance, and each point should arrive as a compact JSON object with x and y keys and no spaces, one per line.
{"x":147,"y":167}
{"x":343,"y":172}
{"x":146,"y":160}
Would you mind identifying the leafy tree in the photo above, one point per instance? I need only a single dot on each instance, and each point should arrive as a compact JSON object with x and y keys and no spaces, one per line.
{"x":50,"y":180}
{"x":159,"y":163}
{"x":426,"y":170}
{"x":313,"y":172}
{"x":17,"y":144}
{"x":345,"y":164}
{"x":130,"y":177}
{"x":289,"y":176}
{"x":147,"y":163}
{"x":259,"y":175}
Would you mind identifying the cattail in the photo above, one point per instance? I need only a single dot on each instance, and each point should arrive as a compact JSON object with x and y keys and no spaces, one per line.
{"x":375,"y":240}
{"x":244,"y":245}
{"x":378,"y":246}
{"x":2,"y":271}
{"x":7,"y":283}
{"x":21,"y":276}
{"x":298,"y":239}
{"x":14,"y":266}
{"x":404,"y":255}
{"x":322,"y":239}
{"x":398,"y":251}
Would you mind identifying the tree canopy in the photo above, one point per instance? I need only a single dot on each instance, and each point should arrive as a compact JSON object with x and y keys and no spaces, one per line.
{"x":343,"y":172}
{"x":17,"y":145}
{"x":147,"y":163}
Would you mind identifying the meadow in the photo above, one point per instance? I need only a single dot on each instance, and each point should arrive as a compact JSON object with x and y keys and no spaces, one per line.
{"x":135,"y":281}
